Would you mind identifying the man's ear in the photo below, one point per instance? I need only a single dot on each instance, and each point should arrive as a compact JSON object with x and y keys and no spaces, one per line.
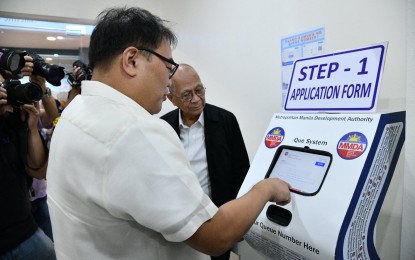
{"x":129,"y":61}
{"x":171,"y":98}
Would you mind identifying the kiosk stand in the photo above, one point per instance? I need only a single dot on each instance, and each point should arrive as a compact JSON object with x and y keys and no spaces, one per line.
{"x":339,"y":166}
{"x":337,"y":219}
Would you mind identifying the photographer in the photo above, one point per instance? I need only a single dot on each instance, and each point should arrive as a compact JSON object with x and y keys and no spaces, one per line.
{"x":23,"y":154}
{"x":80,"y":72}
{"x":49,"y":111}
{"x":37,"y":191}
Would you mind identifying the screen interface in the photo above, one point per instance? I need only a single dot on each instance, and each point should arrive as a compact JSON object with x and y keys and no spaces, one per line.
{"x":304,"y":171}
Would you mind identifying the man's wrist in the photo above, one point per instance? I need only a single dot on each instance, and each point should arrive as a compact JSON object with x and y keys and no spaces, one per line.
{"x":47,"y":93}
{"x":76,"y":88}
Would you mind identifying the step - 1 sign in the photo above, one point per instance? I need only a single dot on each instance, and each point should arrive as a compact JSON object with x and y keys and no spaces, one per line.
{"x":346,"y":81}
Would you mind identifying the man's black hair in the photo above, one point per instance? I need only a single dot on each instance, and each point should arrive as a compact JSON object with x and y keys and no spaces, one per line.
{"x":119,"y":28}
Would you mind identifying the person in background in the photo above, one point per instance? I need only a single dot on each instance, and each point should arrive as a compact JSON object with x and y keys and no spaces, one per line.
{"x":38,"y":190}
{"x":119,"y":183}
{"x":210,"y":136}
{"x":49,"y":110}
{"x":80,"y":72}
{"x":22,"y":154}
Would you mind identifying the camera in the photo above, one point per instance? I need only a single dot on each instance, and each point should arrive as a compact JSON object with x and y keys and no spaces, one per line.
{"x":19,"y":94}
{"x":85,"y":73}
{"x":52,"y":73}
{"x":12,"y":61}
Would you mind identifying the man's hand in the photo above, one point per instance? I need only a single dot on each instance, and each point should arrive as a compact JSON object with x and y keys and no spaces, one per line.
{"x":28,"y":66}
{"x":3,"y":100}
{"x":281,"y":194}
{"x":41,"y":81}
{"x":31,"y":112}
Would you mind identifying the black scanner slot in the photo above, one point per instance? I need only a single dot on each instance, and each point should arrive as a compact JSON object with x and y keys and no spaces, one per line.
{"x":279,"y":215}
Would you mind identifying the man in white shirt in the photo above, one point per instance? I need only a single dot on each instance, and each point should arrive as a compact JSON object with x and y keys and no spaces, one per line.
{"x":120,"y":186}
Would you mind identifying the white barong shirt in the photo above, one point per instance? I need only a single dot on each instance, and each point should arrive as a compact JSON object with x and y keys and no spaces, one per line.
{"x":119,"y":183}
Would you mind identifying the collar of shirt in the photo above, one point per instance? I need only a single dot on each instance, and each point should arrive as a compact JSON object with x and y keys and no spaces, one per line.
{"x":201,"y":120}
{"x":96,"y":88}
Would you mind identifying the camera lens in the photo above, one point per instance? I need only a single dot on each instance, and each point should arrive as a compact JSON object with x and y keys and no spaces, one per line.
{"x":12,"y":61}
{"x":52,"y":73}
{"x":15,"y":62}
{"x":18,"y":94}
{"x":32,"y":92}
{"x":27,"y":93}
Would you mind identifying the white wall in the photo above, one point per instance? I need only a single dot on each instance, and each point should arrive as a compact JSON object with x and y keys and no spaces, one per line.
{"x":235,"y":46}
{"x":408,"y":223}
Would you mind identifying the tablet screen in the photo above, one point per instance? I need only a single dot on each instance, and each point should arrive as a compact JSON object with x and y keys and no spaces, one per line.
{"x":304,"y":169}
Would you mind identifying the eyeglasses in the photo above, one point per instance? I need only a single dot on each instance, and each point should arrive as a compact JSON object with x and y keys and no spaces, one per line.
{"x":188,"y":95}
{"x":161,"y":57}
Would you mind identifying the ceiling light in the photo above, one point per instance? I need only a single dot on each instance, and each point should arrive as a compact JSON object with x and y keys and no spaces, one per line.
{"x":49,"y":59}
{"x":60,"y":38}
{"x":51,"y":38}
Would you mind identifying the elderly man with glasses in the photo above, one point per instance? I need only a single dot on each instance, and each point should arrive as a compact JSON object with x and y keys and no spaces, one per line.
{"x":211,"y":137}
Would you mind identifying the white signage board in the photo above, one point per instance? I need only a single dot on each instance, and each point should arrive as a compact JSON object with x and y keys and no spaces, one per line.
{"x":346,"y":81}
